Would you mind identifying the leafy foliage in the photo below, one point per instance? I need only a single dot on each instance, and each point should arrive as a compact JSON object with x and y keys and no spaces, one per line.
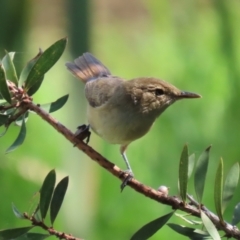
{"x":29,"y":83}
{"x":48,"y":193}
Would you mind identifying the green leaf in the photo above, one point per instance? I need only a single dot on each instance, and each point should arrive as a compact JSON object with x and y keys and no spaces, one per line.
{"x":54,"y":106}
{"x":46,"y":192}
{"x":190,"y":221}
{"x":9,"y":234}
{"x":33,"y":236}
{"x":183,"y":173}
{"x":19,"y":121}
{"x":230,"y":185}
{"x":26,"y":70}
{"x":236,"y":215}
{"x":9,"y":67}
{"x":20,"y":138}
{"x":200,"y":173}
{"x":36,"y":86}
{"x":211,"y":229}
{"x":17,"y":213}
{"x":57,"y":198}
{"x":4,"y":132}
{"x":45,"y":62}
{"x":192,"y":233}
{"x":3,"y":119}
{"x":4,"y":91}
{"x":218,"y":189}
{"x":191,"y":161}
{"x":151,"y":228}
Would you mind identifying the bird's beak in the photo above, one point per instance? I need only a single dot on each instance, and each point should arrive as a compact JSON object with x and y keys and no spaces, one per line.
{"x":184,"y":94}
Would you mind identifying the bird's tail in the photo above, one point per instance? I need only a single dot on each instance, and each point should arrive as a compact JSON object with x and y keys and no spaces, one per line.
{"x":87,"y":67}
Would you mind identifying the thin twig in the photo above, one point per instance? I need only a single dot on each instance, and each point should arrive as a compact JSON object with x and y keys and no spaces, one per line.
{"x":193,"y":208}
{"x":51,"y":230}
{"x":175,"y":202}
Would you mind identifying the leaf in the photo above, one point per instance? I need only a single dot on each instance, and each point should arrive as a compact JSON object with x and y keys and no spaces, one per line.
{"x":57,"y":198}
{"x":191,"y":161}
{"x":152,"y":227}
{"x":3,"y":119}
{"x":218,"y":189}
{"x":19,"y":121}
{"x":200,"y":173}
{"x":33,"y":236}
{"x":45,"y":62}
{"x":189,"y":232}
{"x":26,"y":70}
{"x":20,"y":138}
{"x":54,"y":106}
{"x":190,"y":221}
{"x":17,"y":213}
{"x":230,"y":185}
{"x":36,"y":86}
{"x":183,"y":173}
{"x":4,"y":91}
{"x":46,"y":192}
{"x":4,"y":132}
{"x":211,"y":229}
{"x":9,"y":67}
{"x":236,"y":215}
{"x":9,"y":234}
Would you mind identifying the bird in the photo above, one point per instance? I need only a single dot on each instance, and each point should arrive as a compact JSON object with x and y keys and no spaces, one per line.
{"x":121,"y":111}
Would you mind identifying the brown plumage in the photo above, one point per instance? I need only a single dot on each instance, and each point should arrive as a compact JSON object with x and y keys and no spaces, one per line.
{"x":122,"y":111}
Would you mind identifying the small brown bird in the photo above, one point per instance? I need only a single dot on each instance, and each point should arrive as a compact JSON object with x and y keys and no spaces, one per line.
{"x":122,"y":111}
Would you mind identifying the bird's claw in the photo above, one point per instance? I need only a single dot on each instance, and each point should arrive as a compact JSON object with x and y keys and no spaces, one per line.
{"x":127,"y":179}
{"x":83,"y":133}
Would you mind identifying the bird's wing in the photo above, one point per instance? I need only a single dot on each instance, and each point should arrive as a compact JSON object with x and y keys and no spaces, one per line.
{"x":100,"y":90}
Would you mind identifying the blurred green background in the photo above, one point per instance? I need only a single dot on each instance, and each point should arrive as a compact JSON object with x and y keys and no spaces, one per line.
{"x":192,"y":44}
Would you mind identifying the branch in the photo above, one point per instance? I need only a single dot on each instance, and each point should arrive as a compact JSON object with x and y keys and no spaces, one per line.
{"x":51,"y":230}
{"x":192,"y":208}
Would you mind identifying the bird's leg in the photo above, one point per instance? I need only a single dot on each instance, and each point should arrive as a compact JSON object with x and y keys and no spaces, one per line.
{"x":83,"y":133}
{"x":129,"y":169}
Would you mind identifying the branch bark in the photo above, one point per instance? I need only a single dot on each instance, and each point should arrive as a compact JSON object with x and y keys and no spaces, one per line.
{"x":192,"y":208}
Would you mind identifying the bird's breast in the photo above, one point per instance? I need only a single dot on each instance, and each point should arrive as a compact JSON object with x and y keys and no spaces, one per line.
{"x":118,"y":126}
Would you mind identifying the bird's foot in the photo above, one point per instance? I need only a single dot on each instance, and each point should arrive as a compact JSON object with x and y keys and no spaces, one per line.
{"x":127,"y":179}
{"x":83,"y":133}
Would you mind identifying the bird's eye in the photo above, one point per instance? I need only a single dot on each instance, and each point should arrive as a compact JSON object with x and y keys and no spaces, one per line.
{"x":159,"y":92}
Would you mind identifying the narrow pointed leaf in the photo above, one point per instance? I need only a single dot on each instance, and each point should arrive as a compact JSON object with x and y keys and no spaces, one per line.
{"x":26,"y":70}
{"x":4,"y":91}
{"x":188,"y":220}
{"x":3,"y":119}
{"x":200,"y":173}
{"x":4,"y":132}
{"x":9,"y":67}
{"x":230,"y":184}
{"x":45,"y":62}
{"x":236,"y":215}
{"x":192,"y":233}
{"x":211,"y":229}
{"x":9,"y":234}
{"x":33,"y":236}
{"x":46,"y":192}
{"x":33,"y":89}
{"x":57,"y":198}
{"x":54,"y":106}
{"x":152,"y":227}
{"x":17,"y":213}
{"x":218,"y":189}
{"x":191,"y":161}
{"x":183,"y":173}
{"x":20,"y":138}
{"x":19,"y":121}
